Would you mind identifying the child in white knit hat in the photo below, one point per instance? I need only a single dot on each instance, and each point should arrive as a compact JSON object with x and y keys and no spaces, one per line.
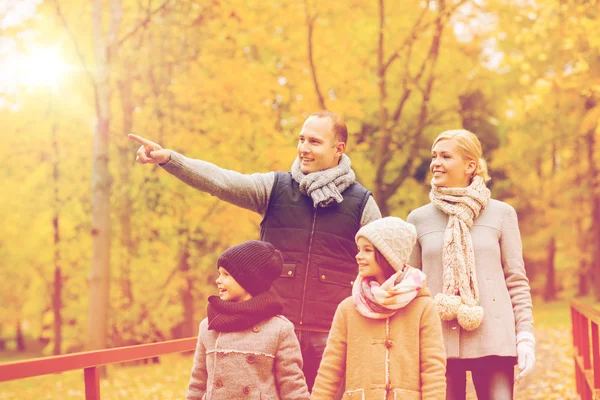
{"x":386,"y":339}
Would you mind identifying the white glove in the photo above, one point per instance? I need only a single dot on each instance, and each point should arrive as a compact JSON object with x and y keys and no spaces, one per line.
{"x":525,"y":353}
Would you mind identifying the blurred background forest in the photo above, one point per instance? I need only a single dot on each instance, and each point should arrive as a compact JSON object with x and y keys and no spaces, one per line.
{"x":99,"y":251}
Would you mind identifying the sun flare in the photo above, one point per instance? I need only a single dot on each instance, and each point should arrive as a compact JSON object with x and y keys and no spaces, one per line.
{"x":42,"y":67}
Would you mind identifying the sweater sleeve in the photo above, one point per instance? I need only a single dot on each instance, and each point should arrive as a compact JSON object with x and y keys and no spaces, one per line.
{"x":370,"y":213}
{"x":288,"y":366}
{"x":514,"y":273}
{"x":197,"y":385}
{"x":247,"y":191}
{"x":333,"y":365}
{"x":415,"y":257}
{"x":433,"y":357}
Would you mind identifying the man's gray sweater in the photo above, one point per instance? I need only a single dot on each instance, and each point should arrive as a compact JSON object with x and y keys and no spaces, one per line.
{"x":250,"y":191}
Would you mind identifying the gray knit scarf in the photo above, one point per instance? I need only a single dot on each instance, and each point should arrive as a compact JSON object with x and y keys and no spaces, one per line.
{"x":325,"y":187}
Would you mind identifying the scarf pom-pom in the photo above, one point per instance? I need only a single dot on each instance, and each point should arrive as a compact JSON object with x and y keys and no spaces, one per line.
{"x":447,"y":306}
{"x":470,"y":317}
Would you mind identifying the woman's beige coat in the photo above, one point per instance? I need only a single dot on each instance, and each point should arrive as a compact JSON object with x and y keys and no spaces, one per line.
{"x":503,"y":285}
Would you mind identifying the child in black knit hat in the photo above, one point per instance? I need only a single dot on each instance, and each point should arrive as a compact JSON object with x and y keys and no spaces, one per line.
{"x":245,"y":348}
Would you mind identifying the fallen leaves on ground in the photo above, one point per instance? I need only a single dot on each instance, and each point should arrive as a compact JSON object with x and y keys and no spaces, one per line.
{"x":553,"y":377}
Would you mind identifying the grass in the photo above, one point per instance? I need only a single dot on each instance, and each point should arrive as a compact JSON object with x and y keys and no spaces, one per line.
{"x":556,"y":313}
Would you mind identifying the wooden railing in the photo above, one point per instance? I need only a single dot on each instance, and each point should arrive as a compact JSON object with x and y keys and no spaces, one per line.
{"x":584,"y":322}
{"x":90,"y":361}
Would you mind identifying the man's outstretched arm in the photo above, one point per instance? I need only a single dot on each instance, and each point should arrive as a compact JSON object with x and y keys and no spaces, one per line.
{"x":247,"y":191}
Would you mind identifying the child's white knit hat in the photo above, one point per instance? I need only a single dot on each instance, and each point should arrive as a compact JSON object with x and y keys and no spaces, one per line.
{"x":393,"y":237}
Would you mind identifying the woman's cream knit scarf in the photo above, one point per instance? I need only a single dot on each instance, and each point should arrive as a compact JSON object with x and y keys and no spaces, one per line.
{"x":460,"y":296}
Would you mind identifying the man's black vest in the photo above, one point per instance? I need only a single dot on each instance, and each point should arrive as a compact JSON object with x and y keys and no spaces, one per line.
{"x":318,"y":247}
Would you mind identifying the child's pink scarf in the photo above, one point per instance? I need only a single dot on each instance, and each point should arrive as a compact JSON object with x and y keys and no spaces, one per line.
{"x":376,"y":301}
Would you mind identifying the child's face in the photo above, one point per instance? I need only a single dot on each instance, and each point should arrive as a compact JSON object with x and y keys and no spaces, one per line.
{"x":367,"y":265}
{"x":229,"y":289}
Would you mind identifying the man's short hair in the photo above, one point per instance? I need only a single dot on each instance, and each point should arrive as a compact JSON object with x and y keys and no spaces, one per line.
{"x":340,"y":130}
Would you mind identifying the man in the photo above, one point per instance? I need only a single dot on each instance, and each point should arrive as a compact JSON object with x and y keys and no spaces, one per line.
{"x":311,"y":214}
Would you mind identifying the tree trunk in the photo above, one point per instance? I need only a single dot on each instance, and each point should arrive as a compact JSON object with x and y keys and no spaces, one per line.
{"x":595,"y":199}
{"x":310,"y":23}
{"x":105,"y":50}
{"x":57,"y":292}
{"x":382,"y":146}
{"x":583,"y":287}
{"x":550,"y":289}
{"x":19,"y":337}
{"x":125,"y":201}
{"x":389,"y":121}
{"x":187,"y":300}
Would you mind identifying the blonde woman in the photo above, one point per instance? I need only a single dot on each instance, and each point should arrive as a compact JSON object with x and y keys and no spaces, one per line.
{"x":469,"y":246}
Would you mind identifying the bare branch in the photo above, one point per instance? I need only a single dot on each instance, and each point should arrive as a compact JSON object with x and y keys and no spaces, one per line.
{"x":144,"y":23}
{"x":434,"y":118}
{"x":80,"y":55}
{"x":417,"y":29}
{"x":310,"y":21}
{"x":411,"y":37}
{"x":412,"y":155}
{"x":384,"y":140}
{"x":431,"y":58}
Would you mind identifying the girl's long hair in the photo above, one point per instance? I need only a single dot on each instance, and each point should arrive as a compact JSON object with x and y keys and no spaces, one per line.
{"x":384,"y":264}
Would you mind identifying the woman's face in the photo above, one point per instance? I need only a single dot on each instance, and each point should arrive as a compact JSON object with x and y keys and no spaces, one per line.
{"x":367,"y":264}
{"x":448,"y":167}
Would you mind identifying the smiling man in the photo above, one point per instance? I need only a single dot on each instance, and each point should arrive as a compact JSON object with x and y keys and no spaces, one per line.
{"x":311,"y":214}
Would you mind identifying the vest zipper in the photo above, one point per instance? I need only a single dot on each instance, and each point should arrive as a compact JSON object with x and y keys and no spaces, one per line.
{"x":312,"y":232}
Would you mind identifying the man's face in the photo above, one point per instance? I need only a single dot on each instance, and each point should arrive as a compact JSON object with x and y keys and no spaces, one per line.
{"x":317,"y":147}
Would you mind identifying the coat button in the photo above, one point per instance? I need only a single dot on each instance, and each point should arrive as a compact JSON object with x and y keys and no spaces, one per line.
{"x":290,"y":273}
{"x":352,"y":282}
{"x":219,"y":384}
{"x":323,"y":277}
{"x":250,"y":359}
{"x":388,"y":343}
{"x":246,"y":390}
{"x":256,"y":328}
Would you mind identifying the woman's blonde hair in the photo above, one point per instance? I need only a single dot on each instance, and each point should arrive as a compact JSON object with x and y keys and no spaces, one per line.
{"x":468,"y":147}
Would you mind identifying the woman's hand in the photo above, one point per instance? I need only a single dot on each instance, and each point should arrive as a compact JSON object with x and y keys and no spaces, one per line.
{"x":525,"y":357}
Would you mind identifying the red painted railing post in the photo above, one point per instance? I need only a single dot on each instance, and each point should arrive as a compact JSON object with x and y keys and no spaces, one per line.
{"x":92,"y":383}
{"x":585,"y":348}
{"x":596,"y":353}
{"x":575,"y":330}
